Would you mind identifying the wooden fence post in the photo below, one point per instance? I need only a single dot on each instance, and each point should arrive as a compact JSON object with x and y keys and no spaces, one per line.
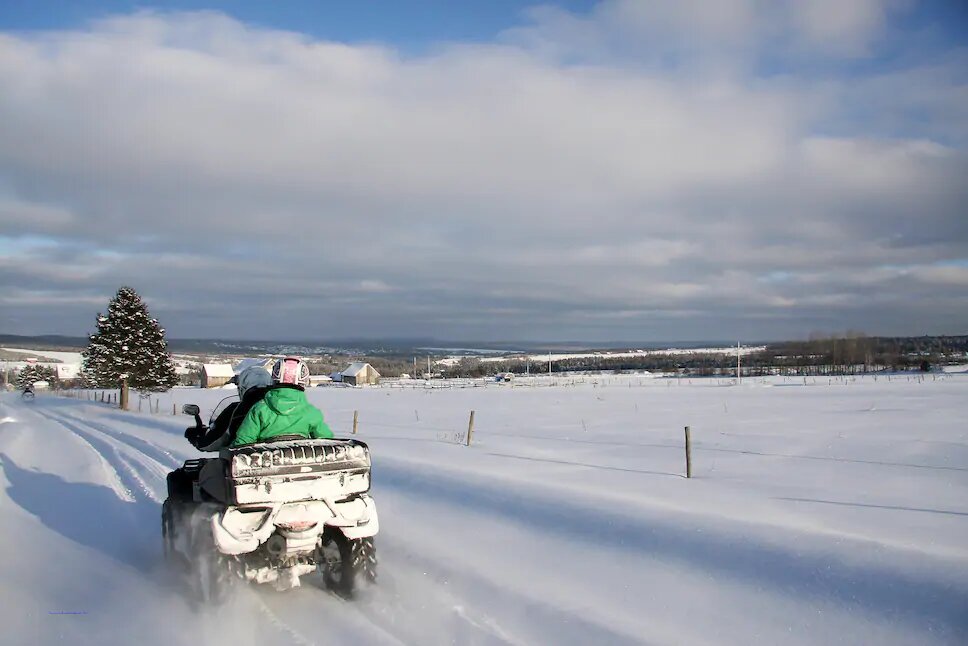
{"x":356,"y":419}
{"x":173,"y":408}
{"x":470,"y":428}
{"x":688,"y":454}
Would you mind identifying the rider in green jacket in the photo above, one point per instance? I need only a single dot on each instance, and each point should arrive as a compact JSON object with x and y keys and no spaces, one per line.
{"x":284,"y":409}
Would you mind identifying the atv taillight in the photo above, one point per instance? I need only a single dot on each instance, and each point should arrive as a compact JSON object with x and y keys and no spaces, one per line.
{"x":298,"y":526}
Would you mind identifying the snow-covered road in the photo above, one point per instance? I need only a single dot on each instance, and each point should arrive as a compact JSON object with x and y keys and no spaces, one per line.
{"x":820,"y":512}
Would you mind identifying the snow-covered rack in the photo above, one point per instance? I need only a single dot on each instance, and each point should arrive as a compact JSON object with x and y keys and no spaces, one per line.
{"x":296,"y":470}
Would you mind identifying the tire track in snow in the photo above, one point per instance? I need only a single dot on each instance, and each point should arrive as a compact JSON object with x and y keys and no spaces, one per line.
{"x":124,"y":466}
{"x":345,"y":619}
{"x":451,"y":598}
{"x":384,"y":606}
{"x":112,"y":478}
{"x":274,"y":619}
{"x":152,"y":450}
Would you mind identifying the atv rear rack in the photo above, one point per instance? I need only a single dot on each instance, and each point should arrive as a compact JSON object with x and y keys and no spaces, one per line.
{"x":297,"y":470}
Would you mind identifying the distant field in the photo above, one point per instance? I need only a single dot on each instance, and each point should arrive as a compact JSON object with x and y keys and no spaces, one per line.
{"x":20,"y":355}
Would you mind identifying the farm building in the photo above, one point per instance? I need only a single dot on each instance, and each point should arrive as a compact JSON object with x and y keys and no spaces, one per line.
{"x":66,"y":371}
{"x":320,"y":380}
{"x":216,"y":374}
{"x":360,"y":373}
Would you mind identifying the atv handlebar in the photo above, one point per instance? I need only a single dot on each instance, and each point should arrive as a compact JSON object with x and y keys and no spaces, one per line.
{"x":194,"y":433}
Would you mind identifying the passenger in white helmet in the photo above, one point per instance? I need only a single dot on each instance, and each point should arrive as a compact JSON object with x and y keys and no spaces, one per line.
{"x":253,"y":383}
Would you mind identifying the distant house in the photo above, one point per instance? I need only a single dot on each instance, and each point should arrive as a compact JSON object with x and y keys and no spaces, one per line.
{"x":360,"y":373}
{"x":216,"y":374}
{"x":320,"y":380}
{"x":67,"y":371}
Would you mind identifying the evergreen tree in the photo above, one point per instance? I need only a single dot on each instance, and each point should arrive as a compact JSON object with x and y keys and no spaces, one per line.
{"x":128,"y":341}
{"x":32,"y":373}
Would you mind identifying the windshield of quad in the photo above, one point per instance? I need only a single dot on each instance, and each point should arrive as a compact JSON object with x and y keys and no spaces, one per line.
{"x":221,"y":406}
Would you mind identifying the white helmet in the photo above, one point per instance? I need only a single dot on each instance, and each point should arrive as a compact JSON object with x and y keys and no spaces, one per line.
{"x":291,"y":370}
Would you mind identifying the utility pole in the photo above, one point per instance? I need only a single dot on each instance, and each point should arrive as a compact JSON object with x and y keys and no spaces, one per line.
{"x":739,"y":378}
{"x":549,"y":363}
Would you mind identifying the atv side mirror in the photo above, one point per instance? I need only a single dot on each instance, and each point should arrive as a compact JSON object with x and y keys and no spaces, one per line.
{"x":191,"y":409}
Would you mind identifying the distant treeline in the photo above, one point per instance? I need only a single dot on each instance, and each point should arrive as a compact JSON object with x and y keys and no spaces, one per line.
{"x":855,"y":353}
{"x":849,"y":354}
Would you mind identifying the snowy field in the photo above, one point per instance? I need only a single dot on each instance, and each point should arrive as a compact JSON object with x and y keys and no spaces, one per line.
{"x":819,"y":513}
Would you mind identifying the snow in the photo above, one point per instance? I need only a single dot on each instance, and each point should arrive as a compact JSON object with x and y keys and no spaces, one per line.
{"x":65,"y":357}
{"x":821,"y":511}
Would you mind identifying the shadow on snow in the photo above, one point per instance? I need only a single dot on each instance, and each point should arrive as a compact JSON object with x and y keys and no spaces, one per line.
{"x":88,"y":514}
{"x":919,"y":601}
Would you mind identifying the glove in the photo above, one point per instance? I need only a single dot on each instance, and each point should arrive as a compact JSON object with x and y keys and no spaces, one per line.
{"x":193,"y":434}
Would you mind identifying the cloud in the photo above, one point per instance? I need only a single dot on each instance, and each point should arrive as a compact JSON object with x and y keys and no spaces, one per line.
{"x":24,"y":218}
{"x":723,"y":35}
{"x":844,"y":28}
{"x":566,"y":178}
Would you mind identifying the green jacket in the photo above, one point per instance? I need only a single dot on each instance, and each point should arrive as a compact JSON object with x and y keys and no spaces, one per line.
{"x":283,"y":411}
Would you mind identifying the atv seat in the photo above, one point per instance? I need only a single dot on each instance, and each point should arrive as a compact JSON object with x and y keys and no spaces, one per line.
{"x":284,"y":438}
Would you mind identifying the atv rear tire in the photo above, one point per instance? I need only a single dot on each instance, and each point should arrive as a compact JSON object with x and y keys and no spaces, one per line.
{"x":344,"y":563}
{"x":168,"y":529}
{"x":211,"y":576}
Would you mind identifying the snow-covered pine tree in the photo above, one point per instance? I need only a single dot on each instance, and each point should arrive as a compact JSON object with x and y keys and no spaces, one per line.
{"x":128,"y":341}
{"x":25,"y":377}
{"x":31,"y":373}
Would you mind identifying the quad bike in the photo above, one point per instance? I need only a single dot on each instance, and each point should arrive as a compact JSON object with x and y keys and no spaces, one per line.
{"x":271,"y":513}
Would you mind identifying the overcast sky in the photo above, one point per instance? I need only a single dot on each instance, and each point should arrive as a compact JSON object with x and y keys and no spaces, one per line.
{"x":671,"y":169}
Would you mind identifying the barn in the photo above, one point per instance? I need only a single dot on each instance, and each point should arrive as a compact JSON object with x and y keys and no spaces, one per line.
{"x":360,"y":373}
{"x":216,"y":374}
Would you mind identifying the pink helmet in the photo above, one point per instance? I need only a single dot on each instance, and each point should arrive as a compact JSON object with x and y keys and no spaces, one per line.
{"x":291,"y":370}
